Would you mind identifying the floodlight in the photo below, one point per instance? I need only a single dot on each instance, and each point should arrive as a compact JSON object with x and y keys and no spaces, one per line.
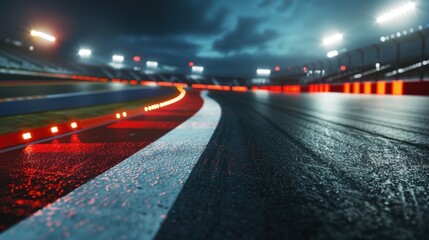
{"x":151,"y":64}
{"x":85,"y":52}
{"x":197,"y":69}
{"x":332,"y":54}
{"x":42,"y":35}
{"x":333,"y":39}
{"x":118,"y":58}
{"x":396,"y":12}
{"x":263,"y":72}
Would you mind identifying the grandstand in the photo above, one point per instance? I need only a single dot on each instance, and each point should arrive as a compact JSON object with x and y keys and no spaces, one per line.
{"x":404,"y":58}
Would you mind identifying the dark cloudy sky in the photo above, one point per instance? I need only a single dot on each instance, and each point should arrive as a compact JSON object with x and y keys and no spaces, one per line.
{"x":228,"y":37}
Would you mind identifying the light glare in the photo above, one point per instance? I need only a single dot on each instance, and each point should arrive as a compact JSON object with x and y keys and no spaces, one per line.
{"x":151,"y":64}
{"x":26,"y":136}
{"x":118,"y":58}
{"x":54,"y":129}
{"x":332,"y":54}
{"x":396,"y":12}
{"x":263,"y":72}
{"x":85,"y":52}
{"x":42,"y":35}
{"x":333,"y":39}
{"x":197,"y":69}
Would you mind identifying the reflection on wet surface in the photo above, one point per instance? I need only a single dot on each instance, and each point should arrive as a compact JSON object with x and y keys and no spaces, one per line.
{"x":32,"y":177}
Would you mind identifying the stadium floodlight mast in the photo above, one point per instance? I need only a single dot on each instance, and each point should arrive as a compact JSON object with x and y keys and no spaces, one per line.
{"x":332,"y":54}
{"x":118,"y":58}
{"x":263,"y":72}
{"x":42,"y":35}
{"x":409,"y":7}
{"x":333,"y":39}
{"x":151,"y":64}
{"x":85,"y":52}
{"x":197,"y":69}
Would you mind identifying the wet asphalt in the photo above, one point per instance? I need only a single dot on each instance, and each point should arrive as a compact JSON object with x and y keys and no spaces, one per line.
{"x":326,"y":166}
{"x":36,"y":175}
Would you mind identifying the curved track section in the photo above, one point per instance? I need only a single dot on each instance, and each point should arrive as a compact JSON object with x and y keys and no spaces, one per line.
{"x":326,"y":166}
{"x":37,"y":175}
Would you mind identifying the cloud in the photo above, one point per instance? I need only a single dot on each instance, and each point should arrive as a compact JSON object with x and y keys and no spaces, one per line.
{"x":265,"y":3}
{"x":163,"y":17}
{"x":160,"y":45}
{"x":285,"y":5}
{"x":143,"y":17}
{"x":280,"y":6}
{"x":246,"y":35}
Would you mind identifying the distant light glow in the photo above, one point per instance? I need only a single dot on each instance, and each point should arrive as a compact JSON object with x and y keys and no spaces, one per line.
{"x":333,"y":39}
{"x":136,"y":58}
{"x":85,"y":52}
{"x":118,"y":58}
{"x":383,"y":39}
{"x":31,"y":48}
{"x":190,"y":64}
{"x":26,"y":136}
{"x":118,"y":115}
{"x":305,"y":69}
{"x":168,"y":102}
{"x":396,"y":12}
{"x":277,"y":68}
{"x":197,"y":69}
{"x":43,"y":35}
{"x":239,"y":89}
{"x":73,"y":125}
{"x":151,"y":64}
{"x":124,"y":114}
{"x":292,"y":89}
{"x":343,"y":68}
{"x":356,"y":76}
{"x":54,"y":129}
{"x":332,"y":54}
{"x":263,"y":72}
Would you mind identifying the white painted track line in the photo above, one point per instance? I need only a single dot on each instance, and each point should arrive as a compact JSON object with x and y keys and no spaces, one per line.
{"x":131,"y":200}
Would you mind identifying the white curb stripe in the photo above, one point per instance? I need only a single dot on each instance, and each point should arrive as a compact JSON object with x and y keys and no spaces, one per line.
{"x":132,"y":199}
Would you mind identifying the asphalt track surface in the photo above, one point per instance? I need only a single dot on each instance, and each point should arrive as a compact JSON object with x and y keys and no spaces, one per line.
{"x":327,"y":166}
{"x":310,"y":166}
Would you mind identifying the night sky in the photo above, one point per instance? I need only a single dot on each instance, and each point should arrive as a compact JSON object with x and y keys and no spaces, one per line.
{"x":227,"y":37}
